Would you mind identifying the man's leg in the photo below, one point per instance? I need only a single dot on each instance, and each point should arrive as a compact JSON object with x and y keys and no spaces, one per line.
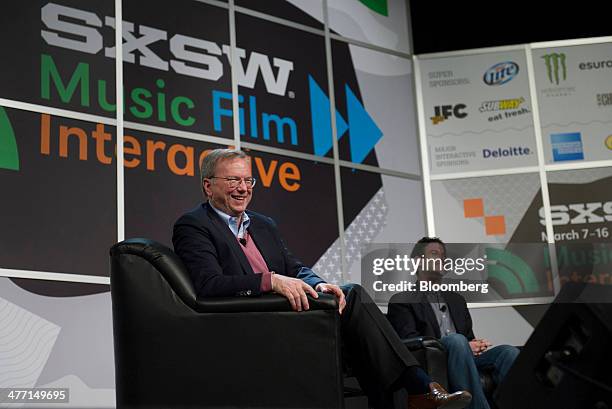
{"x":500,"y":358}
{"x":462,"y":370}
{"x":375,"y":352}
{"x":382,"y":363}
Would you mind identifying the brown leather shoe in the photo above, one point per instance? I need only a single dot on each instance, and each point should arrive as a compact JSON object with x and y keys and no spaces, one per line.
{"x":439,"y":398}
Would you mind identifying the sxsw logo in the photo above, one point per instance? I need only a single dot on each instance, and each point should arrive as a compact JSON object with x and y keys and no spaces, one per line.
{"x":578,"y":213}
{"x":443,"y":112}
{"x":556,"y":69}
{"x":566,"y":146}
{"x":501,"y":73}
{"x":494,"y":225}
{"x":9,"y":156}
{"x":79,"y":30}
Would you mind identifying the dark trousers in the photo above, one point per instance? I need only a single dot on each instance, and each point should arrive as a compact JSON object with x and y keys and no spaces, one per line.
{"x":371,"y":347}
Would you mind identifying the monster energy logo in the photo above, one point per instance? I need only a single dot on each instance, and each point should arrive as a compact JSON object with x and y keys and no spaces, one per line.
{"x":9,"y":158}
{"x":553,"y":61}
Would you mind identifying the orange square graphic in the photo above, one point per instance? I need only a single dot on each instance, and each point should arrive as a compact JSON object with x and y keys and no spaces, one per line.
{"x":473,"y":208}
{"x":495,"y":225}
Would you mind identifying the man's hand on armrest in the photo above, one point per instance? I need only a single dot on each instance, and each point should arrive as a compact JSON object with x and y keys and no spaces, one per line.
{"x":335,"y":290}
{"x":294,"y":290}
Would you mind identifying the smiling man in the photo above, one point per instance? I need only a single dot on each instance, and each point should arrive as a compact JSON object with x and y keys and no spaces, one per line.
{"x":232,"y":251}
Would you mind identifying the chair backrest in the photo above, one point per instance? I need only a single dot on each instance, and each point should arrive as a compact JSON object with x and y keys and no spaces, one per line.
{"x":129,"y":253}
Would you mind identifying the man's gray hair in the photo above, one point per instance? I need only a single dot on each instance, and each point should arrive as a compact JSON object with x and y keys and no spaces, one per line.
{"x":210,"y":161}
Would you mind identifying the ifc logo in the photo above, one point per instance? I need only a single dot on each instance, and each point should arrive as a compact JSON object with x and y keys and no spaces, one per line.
{"x":500,"y":73}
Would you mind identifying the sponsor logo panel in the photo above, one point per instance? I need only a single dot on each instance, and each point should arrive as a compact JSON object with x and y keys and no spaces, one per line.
{"x":444,"y":112}
{"x":449,"y":156}
{"x":595,"y":65}
{"x":566,"y":146}
{"x":501,"y":73}
{"x":604,"y":100}
{"x":440,"y":79}
{"x":555,"y":65}
{"x":505,"y":108}
{"x":511,"y":151}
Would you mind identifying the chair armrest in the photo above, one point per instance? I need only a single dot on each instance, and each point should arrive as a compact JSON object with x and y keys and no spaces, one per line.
{"x":263,"y":303}
{"x":415,"y":343}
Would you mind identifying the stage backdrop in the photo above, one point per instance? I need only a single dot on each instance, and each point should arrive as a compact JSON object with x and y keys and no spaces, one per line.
{"x":58,"y":147}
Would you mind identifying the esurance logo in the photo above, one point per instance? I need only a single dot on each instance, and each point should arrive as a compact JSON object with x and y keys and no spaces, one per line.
{"x":595,"y":65}
{"x":495,"y":225}
{"x":443,"y":112}
{"x":578,"y":213}
{"x":556,"y":69}
{"x":566,"y":146}
{"x":9,"y":156}
{"x":501,"y":73}
{"x":77,"y":30}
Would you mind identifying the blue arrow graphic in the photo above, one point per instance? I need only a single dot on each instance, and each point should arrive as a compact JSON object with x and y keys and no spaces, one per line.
{"x":363,"y":132}
{"x":321,"y":120}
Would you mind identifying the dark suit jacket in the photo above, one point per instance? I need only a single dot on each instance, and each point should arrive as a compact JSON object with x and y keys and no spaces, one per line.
{"x":411,"y":315}
{"x":216,"y":262}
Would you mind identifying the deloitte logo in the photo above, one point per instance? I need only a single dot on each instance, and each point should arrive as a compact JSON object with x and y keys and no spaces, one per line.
{"x":9,"y":156}
{"x":512,"y":271}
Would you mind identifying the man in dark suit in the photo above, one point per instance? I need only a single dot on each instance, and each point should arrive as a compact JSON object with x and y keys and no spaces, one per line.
{"x":229,"y":251}
{"x":446,"y":316}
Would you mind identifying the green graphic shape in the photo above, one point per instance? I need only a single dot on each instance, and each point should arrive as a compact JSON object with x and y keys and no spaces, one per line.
{"x":553,"y":62}
{"x":379,"y":6}
{"x":512,"y":271}
{"x":9,"y":157}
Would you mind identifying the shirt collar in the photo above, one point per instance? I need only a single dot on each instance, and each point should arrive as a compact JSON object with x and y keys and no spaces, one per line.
{"x":232,"y":222}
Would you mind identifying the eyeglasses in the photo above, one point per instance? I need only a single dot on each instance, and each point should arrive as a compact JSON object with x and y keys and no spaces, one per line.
{"x":233,"y":181}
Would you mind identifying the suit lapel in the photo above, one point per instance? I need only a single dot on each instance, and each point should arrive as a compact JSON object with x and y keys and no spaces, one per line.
{"x":431,"y":318}
{"x":230,"y":239}
{"x":429,"y":314}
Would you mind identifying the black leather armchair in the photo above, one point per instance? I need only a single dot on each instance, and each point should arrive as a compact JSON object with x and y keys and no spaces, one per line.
{"x":173,"y":350}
